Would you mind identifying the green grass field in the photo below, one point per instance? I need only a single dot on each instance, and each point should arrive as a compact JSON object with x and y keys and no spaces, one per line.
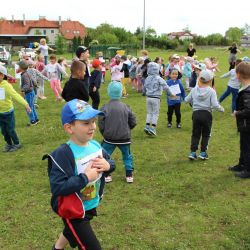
{"x":173,"y":203}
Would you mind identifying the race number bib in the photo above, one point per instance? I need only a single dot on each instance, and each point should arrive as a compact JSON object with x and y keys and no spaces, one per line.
{"x":2,"y":94}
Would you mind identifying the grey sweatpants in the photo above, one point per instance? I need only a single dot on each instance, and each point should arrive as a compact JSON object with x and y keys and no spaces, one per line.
{"x":153,"y":108}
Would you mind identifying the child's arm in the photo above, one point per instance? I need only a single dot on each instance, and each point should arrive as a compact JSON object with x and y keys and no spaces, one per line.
{"x":101,"y":121}
{"x":183,"y":93}
{"x":244,"y":113}
{"x":60,"y":69}
{"x":215,"y":104}
{"x":40,"y":75}
{"x":131,"y":119}
{"x":189,"y":98}
{"x":228,"y":74}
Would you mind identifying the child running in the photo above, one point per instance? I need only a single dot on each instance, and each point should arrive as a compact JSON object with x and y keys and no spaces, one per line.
{"x":77,"y":167}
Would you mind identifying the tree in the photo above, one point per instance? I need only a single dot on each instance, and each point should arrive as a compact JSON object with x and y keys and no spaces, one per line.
{"x":60,"y":44}
{"x":186,"y":29}
{"x":150,"y":31}
{"x":108,"y":38}
{"x":234,"y":34}
{"x":246,"y":29}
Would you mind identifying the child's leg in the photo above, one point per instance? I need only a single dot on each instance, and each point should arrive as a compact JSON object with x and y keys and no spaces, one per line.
{"x":127,"y":159}
{"x":58,"y":86}
{"x":41,"y":88}
{"x":149,"y":111}
{"x":11,"y":123}
{"x":170,"y":113}
{"x":108,"y":147}
{"x":225,"y":94}
{"x":95,"y":96}
{"x":234,"y":97}
{"x":196,"y":131}
{"x":206,"y":130}
{"x":124,"y":90}
{"x":177,"y":109}
{"x":187,"y":82}
{"x":61,"y":242}
{"x":29,"y":97}
{"x":54,"y":88}
{"x":4,"y":122}
{"x":155,"y":110}
{"x":80,"y":233}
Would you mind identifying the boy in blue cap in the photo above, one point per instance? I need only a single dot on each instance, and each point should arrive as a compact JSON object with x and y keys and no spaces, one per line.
{"x":77,"y":167}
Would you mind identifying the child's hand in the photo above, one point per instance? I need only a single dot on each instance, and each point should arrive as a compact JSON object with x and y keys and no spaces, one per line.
{"x":91,"y":172}
{"x":28,"y":109}
{"x":94,"y":89}
{"x":100,"y":164}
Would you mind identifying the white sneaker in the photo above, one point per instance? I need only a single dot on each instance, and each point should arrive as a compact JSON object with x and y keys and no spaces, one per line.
{"x":108,"y":179}
{"x":129,"y":179}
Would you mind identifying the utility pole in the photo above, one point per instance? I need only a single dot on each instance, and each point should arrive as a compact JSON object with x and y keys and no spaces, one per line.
{"x":143,"y":39}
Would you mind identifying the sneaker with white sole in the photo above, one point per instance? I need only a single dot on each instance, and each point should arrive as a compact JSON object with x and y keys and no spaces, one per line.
{"x":147,"y":130}
{"x":129,"y":179}
{"x":7,"y":148}
{"x":192,"y":156}
{"x":203,"y":156}
{"x":152,"y":131}
{"x":108,"y":179}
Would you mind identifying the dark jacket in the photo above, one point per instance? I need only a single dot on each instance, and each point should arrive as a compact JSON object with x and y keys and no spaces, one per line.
{"x":243,"y":110}
{"x":64,"y":181}
{"x":75,"y":89}
{"x":117,"y":123}
{"x":95,"y":79}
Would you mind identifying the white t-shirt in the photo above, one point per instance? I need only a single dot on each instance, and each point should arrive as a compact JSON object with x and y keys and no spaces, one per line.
{"x":44,"y":49}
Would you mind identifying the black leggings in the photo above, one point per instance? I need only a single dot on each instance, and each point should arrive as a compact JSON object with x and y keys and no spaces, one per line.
{"x":80,"y":234}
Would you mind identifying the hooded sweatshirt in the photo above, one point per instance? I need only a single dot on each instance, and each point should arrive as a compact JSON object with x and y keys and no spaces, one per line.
{"x":203,"y":98}
{"x":154,"y":84}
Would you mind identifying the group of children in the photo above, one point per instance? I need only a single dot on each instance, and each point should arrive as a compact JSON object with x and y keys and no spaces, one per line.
{"x":81,"y":166}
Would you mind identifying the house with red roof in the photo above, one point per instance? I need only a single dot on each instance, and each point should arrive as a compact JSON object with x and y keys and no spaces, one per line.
{"x":183,"y":35}
{"x":21,"y":29}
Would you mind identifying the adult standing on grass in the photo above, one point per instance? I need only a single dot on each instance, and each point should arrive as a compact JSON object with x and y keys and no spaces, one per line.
{"x":191,"y":50}
{"x":242,"y":114}
{"x":232,"y":55}
{"x":7,"y":117}
{"x":44,"y":50}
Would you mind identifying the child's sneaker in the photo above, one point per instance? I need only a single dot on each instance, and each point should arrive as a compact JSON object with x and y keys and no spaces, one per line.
{"x":36,"y":105}
{"x":169,"y":125}
{"x":192,"y":156}
{"x":108,"y":179}
{"x":178,"y":125}
{"x":7,"y":148}
{"x":129,"y":179}
{"x":152,"y":131}
{"x":147,"y":130}
{"x":203,"y":156}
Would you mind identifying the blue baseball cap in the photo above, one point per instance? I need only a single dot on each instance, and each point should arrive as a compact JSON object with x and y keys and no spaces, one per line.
{"x":78,"y":110}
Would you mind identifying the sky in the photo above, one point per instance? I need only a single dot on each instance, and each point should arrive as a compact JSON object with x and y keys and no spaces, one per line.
{"x":202,"y":17}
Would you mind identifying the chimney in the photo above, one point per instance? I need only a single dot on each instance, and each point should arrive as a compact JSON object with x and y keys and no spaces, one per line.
{"x":60,"y":20}
{"x":12,"y":19}
{"x":24,"y":21}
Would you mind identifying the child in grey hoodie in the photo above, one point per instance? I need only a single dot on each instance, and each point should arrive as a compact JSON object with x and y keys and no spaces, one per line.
{"x":203,"y":99}
{"x":154,"y":86}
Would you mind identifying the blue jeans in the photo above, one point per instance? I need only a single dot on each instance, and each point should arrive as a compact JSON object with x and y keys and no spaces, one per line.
{"x":228,"y":91}
{"x":30,"y":98}
{"x":7,"y":126}
{"x":126,"y":155}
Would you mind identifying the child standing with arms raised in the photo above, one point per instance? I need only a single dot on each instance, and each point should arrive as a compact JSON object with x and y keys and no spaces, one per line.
{"x":174,"y":103}
{"x":7,"y":116}
{"x":78,"y":167}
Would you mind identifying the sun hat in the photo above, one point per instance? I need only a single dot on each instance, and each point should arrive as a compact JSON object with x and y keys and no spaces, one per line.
{"x":200,"y":66}
{"x":206,"y":76}
{"x":115,"y":90}
{"x":78,"y":110}
{"x":245,"y":59}
{"x":3,"y":70}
